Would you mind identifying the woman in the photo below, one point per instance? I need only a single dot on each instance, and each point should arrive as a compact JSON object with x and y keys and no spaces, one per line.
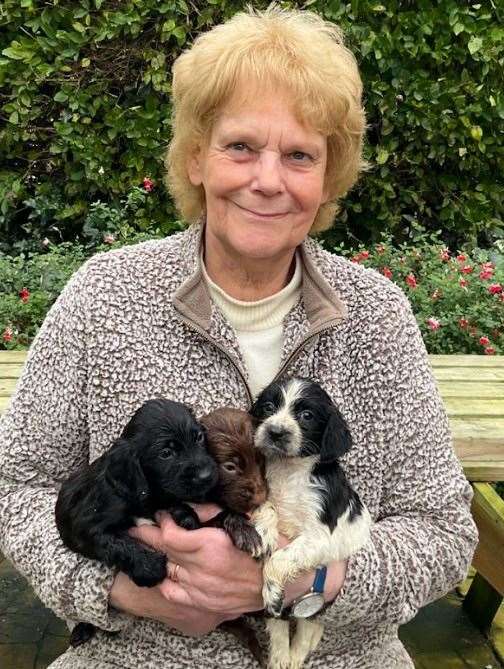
{"x":268,"y":131}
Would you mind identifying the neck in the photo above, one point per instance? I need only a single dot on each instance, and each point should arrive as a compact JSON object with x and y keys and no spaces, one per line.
{"x":248,"y":279}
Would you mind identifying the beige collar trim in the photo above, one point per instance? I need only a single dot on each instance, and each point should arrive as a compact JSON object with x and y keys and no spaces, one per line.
{"x":321,"y":302}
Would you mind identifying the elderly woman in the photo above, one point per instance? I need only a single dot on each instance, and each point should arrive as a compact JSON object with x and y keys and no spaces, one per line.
{"x":268,"y":131}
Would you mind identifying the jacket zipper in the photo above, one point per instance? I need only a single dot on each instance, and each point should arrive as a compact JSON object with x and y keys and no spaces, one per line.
{"x":296,"y":351}
{"x":291,"y":357}
{"x":201,"y":332}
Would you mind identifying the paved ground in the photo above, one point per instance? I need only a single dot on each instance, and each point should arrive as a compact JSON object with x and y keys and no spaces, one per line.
{"x":440,"y":637}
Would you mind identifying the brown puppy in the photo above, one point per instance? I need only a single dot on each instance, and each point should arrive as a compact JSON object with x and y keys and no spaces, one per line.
{"x":242,"y":468}
{"x":241,"y":488}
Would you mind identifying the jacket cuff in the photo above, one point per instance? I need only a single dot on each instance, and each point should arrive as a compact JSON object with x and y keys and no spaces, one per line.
{"x":359,"y":589}
{"x":90,"y":588}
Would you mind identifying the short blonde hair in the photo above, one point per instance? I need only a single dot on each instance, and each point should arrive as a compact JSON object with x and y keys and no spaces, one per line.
{"x":294,"y":51}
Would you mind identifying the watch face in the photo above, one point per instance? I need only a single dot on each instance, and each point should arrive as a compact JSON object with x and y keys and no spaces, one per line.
{"x":308,"y":605}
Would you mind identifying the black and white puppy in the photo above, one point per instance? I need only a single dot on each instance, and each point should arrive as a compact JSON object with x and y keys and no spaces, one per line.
{"x":302,"y":435}
{"x":159,"y":462}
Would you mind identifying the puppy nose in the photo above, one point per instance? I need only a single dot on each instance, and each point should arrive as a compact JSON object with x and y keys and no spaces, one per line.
{"x":259,"y":497}
{"x":277,"y":433}
{"x":204,"y":475}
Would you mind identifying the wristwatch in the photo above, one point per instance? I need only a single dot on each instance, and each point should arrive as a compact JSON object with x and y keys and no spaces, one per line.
{"x":313,"y":601}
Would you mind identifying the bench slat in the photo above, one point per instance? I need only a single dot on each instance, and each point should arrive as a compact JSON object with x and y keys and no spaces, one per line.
{"x":466,"y":361}
{"x":491,"y":389}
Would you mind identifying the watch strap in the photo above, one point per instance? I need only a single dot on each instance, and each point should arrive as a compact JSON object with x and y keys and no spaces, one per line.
{"x":320,"y":578}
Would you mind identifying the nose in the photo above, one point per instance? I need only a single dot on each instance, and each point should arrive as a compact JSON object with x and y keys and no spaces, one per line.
{"x":277,"y":433}
{"x":259,"y":496}
{"x":206,"y":476}
{"x":268,"y":177}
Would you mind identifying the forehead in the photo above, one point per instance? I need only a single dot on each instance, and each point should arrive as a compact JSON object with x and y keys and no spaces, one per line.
{"x":265,"y":112}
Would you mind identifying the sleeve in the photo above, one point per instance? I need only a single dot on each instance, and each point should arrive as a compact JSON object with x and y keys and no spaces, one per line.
{"x":423,"y":541}
{"x":43,"y":437}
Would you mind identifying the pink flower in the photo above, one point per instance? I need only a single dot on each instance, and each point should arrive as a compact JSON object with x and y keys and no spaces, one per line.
{"x":7,"y":334}
{"x":148,"y":184}
{"x":364,"y":255}
{"x":461,"y":257}
{"x":486,"y":273}
{"x":411,"y":281}
{"x":467,"y":269}
{"x":24,"y":294}
{"x":108,"y":238}
{"x":433,"y":323}
{"x":489,"y":350}
{"x":386,"y":271}
{"x":463,"y":322}
{"x":495,"y":288}
{"x":484,"y":341}
{"x":445,"y":255}
{"x":463,"y":283}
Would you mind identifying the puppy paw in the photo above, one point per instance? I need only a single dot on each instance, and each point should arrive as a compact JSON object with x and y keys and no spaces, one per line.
{"x":149,"y":570}
{"x":267,"y":545}
{"x":273,"y":597}
{"x":185,"y":517}
{"x":243,"y":534}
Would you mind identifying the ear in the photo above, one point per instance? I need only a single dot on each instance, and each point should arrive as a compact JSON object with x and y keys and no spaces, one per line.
{"x":336,"y":440}
{"x":194,"y":171}
{"x":124,"y":473}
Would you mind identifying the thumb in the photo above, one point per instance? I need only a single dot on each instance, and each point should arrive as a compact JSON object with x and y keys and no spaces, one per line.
{"x":150,"y":535}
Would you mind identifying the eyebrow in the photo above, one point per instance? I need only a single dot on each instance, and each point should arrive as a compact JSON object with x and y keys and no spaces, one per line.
{"x":247,"y":136}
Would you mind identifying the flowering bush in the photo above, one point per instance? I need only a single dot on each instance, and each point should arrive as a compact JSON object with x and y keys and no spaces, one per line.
{"x":31,"y":282}
{"x":457,"y":298}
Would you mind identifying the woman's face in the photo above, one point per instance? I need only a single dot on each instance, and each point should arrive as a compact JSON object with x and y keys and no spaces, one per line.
{"x":263,"y":176}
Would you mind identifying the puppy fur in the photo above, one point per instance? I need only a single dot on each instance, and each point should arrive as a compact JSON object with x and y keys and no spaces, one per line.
{"x":160,"y":461}
{"x":302,"y":435}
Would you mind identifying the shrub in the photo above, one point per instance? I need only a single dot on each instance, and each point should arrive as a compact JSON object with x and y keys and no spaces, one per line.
{"x":457,"y":298}
{"x":86,"y":100}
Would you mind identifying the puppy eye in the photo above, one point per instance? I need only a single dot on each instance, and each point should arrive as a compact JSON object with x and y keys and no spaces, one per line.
{"x":168,"y":451}
{"x":306,"y":415}
{"x":268,"y":408}
{"x":230,"y":467}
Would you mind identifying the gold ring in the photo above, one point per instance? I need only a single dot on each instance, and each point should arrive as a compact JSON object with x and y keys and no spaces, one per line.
{"x":173,"y":573}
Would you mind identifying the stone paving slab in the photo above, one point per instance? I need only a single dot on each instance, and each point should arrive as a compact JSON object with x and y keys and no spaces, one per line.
{"x":31,"y":637}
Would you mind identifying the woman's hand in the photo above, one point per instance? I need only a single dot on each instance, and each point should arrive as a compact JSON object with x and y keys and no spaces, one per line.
{"x":213,"y":577}
{"x":151,"y":603}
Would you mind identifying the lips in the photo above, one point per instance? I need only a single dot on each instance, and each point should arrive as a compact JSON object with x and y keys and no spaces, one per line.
{"x":262,"y":214}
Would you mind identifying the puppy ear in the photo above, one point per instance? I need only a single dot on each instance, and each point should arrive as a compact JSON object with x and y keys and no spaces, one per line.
{"x":123,"y":472}
{"x":336,"y":440}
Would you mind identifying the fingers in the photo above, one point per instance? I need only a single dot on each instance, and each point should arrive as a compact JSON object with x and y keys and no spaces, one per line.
{"x":206,"y":511}
{"x":149,"y":535}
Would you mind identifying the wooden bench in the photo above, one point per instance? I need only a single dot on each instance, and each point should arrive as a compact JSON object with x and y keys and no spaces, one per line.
{"x":472,"y":388}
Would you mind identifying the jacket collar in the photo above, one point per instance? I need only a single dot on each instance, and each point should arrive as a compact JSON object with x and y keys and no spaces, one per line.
{"x":322,"y":303}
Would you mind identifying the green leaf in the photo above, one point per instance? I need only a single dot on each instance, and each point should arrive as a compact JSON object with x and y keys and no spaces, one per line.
{"x":60,"y":97}
{"x":475,"y":44}
{"x":382,"y":156}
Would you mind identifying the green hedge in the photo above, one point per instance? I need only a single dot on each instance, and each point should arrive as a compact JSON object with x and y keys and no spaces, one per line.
{"x":86,"y":108}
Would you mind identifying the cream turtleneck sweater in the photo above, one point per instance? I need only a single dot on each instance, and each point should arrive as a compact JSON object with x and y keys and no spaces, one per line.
{"x":258,"y":326}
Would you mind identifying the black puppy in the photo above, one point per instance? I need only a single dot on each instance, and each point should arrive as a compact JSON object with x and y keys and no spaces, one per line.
{"x":160,"y":461}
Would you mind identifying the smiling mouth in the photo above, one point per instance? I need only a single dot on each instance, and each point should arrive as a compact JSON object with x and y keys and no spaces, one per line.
{"x":260,"y":215}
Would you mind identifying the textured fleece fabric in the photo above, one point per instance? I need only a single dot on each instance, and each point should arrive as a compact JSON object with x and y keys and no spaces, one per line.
{"x":137,"y":323}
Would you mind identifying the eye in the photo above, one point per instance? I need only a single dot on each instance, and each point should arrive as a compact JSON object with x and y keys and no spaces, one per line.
{"x":200,"y":438}
{"x":240,"y":147}
{"x":300,"y":156}
{"x":168,"y":451}
{"x":230,"y":467}
{"x":306,"y":415}
{"x":268,"y":408}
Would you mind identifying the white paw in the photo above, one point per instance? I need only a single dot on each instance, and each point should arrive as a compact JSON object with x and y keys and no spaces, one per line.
{"x":273,"y":596}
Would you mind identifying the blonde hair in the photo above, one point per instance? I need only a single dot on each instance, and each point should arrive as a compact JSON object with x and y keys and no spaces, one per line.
{"x":294,"y":51}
